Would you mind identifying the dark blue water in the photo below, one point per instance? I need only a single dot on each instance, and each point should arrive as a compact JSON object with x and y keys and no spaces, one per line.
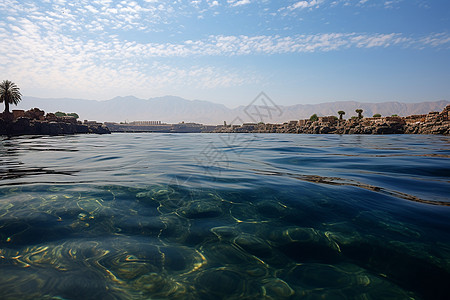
{"x":232,"y":216}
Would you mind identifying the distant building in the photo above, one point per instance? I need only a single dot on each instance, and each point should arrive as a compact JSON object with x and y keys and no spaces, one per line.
{"x":86,"y":122}
{"x":145,"y":123}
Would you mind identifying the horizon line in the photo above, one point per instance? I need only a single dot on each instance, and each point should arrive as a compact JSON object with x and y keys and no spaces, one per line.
{"x":193,"y":100}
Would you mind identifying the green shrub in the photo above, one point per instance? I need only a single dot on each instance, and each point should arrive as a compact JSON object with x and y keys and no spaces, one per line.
{"x":75,"y":115}
{"x":60,"y":114}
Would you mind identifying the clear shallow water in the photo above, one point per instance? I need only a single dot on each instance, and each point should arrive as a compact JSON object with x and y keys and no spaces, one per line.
{"x":202,"y":216}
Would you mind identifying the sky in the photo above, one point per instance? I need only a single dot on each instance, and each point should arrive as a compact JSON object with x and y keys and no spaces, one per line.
{"x":297,"y":52}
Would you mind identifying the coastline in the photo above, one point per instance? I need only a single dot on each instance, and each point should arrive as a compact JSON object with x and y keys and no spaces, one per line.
{"x":34,"y":122}
{"x":431,"y":123}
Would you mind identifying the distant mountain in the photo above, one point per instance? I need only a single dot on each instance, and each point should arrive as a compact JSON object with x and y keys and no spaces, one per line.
{"x":171,"y":109}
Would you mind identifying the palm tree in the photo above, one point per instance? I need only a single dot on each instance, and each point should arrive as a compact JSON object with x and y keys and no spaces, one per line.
{"x":9,"y":93}
{"x":341,"y":113}
{"x":359,"y":112}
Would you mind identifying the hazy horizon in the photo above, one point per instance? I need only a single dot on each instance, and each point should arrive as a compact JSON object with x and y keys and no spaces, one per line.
{"x":173,"y":109}
{"x":298,"y":52}
{"x":235,"y":106}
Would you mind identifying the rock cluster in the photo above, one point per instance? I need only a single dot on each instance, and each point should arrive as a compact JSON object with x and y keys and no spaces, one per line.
{"x":435,"y":123}
{"x":35,"y":122}
{"x":432,"y":123}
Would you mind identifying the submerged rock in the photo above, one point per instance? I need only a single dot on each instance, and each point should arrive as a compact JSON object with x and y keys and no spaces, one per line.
{"x":220,"y":283}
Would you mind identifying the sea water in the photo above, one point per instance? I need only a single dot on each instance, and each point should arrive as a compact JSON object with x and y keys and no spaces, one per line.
{"x":224,"y":216}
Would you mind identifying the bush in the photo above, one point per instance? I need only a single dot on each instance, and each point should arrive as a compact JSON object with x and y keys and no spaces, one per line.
{"x":314,"y":118}
{"x":75,"y":115}
{"x":377,"y":116}
{"x":60,"y":114}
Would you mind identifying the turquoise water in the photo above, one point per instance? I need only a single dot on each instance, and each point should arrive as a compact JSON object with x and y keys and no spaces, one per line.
{"x":231,"y":216}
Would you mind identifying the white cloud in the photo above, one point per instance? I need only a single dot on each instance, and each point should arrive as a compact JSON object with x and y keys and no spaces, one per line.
{"x":435,"y":40}
{"x":391,"y":3}
{"x":250,"y":45}
{"x":213,"y":3}
{"x":238,"y":2}
{"x":359,"y":3}
{"x":42,"y":60}
{"x":303,"y":4}
{"x":76,"y":44}
{"x":92,"y":9}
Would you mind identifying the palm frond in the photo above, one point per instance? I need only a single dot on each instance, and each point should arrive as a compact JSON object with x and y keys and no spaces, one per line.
{"x":9,"y":93}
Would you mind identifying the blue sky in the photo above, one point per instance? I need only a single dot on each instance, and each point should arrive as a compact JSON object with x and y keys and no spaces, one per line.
{"x":226,"y":52}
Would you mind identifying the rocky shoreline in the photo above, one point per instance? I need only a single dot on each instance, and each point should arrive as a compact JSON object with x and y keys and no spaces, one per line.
{"x":35,"y":122}
{"x":431,"y":123}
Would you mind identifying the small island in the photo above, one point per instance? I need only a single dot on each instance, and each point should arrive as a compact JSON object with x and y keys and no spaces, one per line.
{"x":36,"y":122}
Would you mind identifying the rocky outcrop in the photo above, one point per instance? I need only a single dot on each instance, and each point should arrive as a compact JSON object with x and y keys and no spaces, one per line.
{"x":432,"y":123}
{"x":34,"y":122}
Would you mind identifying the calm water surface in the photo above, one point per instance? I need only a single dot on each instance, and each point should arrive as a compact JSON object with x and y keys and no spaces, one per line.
{"x":209,"y":216}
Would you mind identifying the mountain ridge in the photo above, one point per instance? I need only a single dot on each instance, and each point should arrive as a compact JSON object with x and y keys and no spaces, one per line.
{"x":174,"y":109}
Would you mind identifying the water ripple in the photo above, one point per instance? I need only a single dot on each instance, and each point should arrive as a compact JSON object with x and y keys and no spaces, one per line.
{"x":197,"y":216}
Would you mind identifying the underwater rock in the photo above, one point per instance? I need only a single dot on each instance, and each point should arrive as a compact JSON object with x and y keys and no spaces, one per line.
{"x":201,"y":209}
{"x":220,"y":283}
{"x":275,"y":288}
{"x":225,"y":233}
{"x":271,"y":209}
{"x":254,"y":245}
{"x":305,"y":245}
{"x":225,"y":254}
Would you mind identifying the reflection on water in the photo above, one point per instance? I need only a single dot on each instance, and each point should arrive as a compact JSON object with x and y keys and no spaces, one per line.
{"x":139,"y":216}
